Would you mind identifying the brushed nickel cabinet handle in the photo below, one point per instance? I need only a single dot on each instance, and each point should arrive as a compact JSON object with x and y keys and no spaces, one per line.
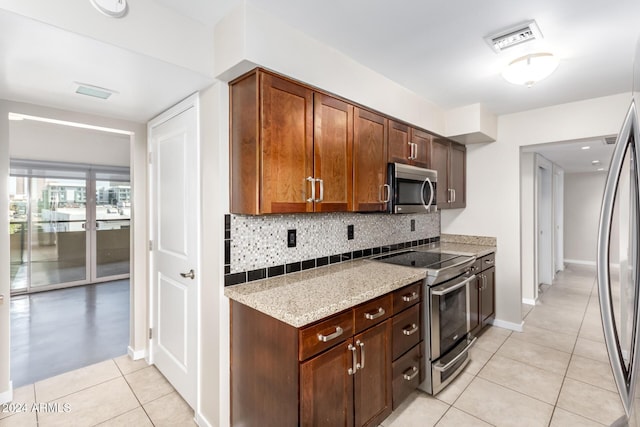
{"x":321,"y":182}
{"x":410,"y":373}
{"x":489,"y":261}
{"x":334,"y":335}
{"x":374,"y":315}
{"x":313,"y":189}
{"x":413,"y":330}
{"x":410,"y":297}
{"x":361,"y":345}
{"x":354,"y":362}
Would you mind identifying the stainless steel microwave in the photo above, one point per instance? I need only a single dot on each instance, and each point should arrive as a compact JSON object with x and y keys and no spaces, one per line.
{"x":412,"y":189}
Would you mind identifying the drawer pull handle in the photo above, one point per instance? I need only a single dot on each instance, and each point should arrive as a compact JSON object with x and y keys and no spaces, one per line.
{"x":489,"y":261}
{"x":413,"y":330}
{"x":378,"y":313}
{"x":336,"y":334}
{"x":410,"y":373}
{"x":408,"y":298}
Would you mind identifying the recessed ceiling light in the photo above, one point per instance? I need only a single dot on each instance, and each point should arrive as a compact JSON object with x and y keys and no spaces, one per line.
{"x":595,"y":162}
{"x":95,"y":91}
{"x":600,"y":169}
{"x":586,"y":147}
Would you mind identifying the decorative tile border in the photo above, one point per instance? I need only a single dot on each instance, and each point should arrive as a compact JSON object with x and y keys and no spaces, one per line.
{"x":256,"y":247}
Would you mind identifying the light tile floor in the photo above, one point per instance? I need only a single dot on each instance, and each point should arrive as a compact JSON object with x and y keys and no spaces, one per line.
{"x":117,"y":392}
{"x":554,"y":373}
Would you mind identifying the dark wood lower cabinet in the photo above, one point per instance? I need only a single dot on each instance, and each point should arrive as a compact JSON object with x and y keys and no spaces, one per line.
{"x":487,"y":297}
{"x":482,"y":294}
{"x":338,"y":371}
{"x":327,"y":389}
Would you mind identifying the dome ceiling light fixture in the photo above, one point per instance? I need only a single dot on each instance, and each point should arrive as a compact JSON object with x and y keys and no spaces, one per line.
{"x":529,"y":69}
{"x":111,"y":8}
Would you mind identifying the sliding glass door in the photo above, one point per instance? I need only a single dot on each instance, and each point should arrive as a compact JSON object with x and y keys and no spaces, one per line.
{"x":69,"y":225}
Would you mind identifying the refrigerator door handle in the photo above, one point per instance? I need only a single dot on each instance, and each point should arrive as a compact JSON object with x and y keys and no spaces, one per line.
{"x":625,"y":377}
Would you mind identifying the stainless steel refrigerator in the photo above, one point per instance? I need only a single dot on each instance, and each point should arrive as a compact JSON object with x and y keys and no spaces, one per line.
{"x":618,"y":263}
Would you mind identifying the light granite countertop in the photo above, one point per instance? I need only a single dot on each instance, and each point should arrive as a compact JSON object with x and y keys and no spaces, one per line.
{"x":304,"y":297}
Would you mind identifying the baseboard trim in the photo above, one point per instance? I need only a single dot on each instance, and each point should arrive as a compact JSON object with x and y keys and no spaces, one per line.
{"x":518,"y":327}
{"x":7,"y":396}
{"x":528,"y":301}
{"x":580,"y":262}
{"x":136,"y":354}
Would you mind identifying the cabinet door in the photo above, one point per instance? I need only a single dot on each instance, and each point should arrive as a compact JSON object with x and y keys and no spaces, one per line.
{"x":287,"y":146}
{"x":372,"y":382}
{"x":440,"y":163}
{"x":457,"y":175}
{"x":487,"y":296}
{"x":422,"y":141}
{"x":474,"y":303}
{"x":399,"y":148}
{"x":369,"y":161}
{"x":332,"y":149}
{"x":326,"y":388}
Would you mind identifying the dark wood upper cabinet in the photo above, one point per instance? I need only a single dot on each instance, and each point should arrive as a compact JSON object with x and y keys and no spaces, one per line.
{"x":369,"y":161}
{"x":298,"y":149}
{"x":409,"y":145}
{"x":399,"y":149}
{"x":449,"y":159}
{"x":422,"y":148}
{"x":332,"y":154}
{"x":271,"y":145}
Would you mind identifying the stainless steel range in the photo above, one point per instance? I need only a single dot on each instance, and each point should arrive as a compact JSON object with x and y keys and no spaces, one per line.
{"x":446,"y":312}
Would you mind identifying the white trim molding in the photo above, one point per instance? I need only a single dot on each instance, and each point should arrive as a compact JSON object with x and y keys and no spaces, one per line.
{"x":136,"y":354}
{"x":517,"y":327}
{"x":579,"y":262}
{"x":7,"y":396}
{"x":528,"y":301}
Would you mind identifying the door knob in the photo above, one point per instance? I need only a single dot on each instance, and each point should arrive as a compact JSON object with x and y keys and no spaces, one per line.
{"x":190,"y":275}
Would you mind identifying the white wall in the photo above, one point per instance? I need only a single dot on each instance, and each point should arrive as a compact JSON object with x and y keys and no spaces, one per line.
{"x":493,"y":194}
{"x":583,"y":200}
{"x":249,"y":36}
{"x":138,"y":153}
{"x":528,"y":256}
{"x":33,"y":140}
{"x":214,"y":404}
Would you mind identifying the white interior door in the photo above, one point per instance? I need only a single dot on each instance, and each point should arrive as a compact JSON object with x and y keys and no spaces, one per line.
{"x":175,"y":279}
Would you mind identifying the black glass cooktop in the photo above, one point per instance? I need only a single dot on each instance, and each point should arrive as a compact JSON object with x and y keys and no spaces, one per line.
{"x":429,"y":260}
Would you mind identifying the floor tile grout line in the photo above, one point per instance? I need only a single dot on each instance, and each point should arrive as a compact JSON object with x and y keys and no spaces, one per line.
{"x":137,"y":398}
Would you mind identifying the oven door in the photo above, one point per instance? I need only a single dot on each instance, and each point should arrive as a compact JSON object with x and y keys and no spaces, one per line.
{"x":450,"y":314}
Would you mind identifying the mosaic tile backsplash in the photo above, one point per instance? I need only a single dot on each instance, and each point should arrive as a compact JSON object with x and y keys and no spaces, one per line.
{"x":258,"y":244}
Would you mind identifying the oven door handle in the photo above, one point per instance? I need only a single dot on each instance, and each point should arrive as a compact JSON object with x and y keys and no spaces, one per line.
{"x":452,"y":288}
{"x":443,"y":368}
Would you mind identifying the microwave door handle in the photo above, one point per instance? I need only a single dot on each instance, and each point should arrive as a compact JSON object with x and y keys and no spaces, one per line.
{"x":625,"y":381}
{"x":424,"y":203}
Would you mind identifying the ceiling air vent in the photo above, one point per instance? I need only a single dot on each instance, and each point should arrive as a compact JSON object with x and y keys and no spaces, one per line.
{"x":514,"y":36}
{"x":610,"y":140}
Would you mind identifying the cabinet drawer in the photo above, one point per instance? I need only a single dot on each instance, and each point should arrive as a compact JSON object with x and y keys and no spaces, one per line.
{"x":407,"y":296}
{"x":407,"y":330}
{"x":372,"y":312}
{"x":406,"y":375}
{"x":488,"y":261}
{"x":325,"y":334}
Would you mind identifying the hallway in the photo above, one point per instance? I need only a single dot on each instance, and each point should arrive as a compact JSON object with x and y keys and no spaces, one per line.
{"x":58,"y":331}
{"x":554,"y":373}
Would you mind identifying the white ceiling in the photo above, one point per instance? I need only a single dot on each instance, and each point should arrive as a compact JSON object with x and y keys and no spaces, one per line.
{"x":435,"y":48}
{"x":573,"y":158}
